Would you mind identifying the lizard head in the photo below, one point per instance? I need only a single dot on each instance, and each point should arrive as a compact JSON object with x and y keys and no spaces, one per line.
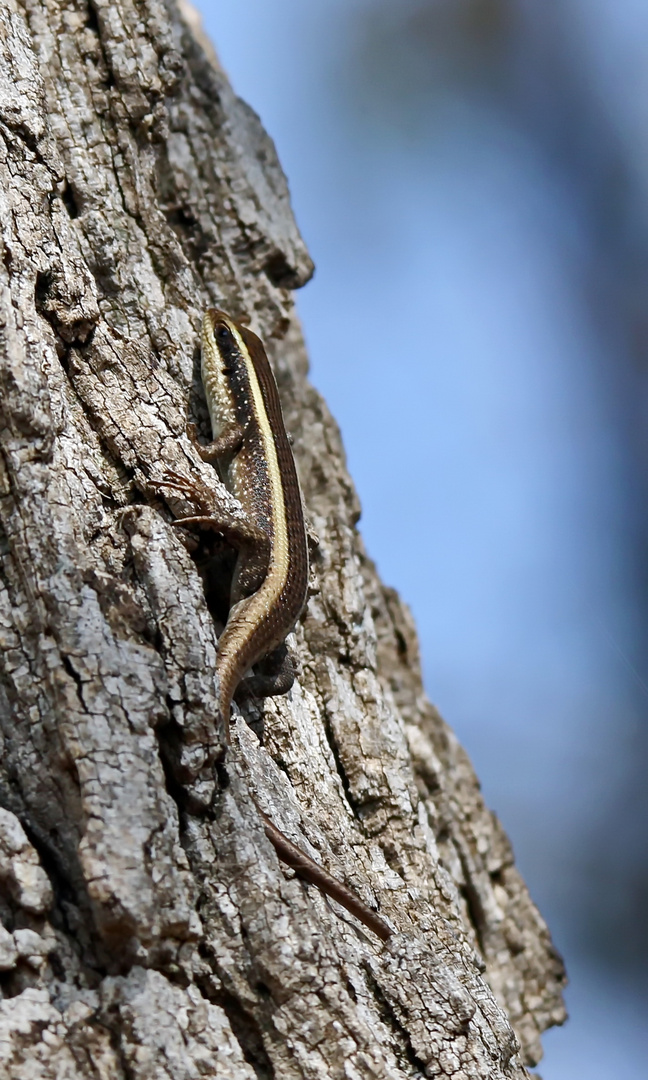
{"x":222,"y":354}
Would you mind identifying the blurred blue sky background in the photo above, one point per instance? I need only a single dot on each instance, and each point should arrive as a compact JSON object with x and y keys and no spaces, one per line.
{"x":471,"y":177}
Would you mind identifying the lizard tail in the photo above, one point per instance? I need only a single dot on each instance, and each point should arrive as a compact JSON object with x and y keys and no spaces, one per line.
{"x":229,"y":676}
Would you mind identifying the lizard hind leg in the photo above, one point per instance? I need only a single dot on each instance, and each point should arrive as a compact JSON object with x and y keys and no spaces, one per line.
{"x":274,"y":675}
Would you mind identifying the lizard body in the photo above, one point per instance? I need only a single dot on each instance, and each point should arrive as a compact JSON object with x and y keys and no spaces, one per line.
{"x":251,"y":451}
{"x":270,"y":582}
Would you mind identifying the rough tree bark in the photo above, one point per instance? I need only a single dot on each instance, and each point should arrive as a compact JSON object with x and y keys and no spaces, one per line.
{"x":148,"y":928}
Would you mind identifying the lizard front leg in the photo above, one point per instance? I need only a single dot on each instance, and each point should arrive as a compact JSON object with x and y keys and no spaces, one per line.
{"x":251,"y":542}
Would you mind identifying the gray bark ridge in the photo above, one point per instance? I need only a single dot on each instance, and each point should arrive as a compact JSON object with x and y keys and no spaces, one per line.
{"x":148,"y":929}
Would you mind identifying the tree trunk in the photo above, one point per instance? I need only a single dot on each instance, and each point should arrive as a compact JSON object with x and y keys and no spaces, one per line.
{"x":149,"y":929}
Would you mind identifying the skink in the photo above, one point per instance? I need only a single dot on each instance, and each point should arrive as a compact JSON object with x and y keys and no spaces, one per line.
{"x":252,"y":453}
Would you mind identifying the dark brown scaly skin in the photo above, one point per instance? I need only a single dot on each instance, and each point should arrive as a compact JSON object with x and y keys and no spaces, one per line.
{"x":259,"y":623}
{"x":270,"y":583}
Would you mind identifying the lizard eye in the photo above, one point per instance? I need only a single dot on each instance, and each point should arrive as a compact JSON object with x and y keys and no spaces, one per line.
{"x":223,"y":334}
